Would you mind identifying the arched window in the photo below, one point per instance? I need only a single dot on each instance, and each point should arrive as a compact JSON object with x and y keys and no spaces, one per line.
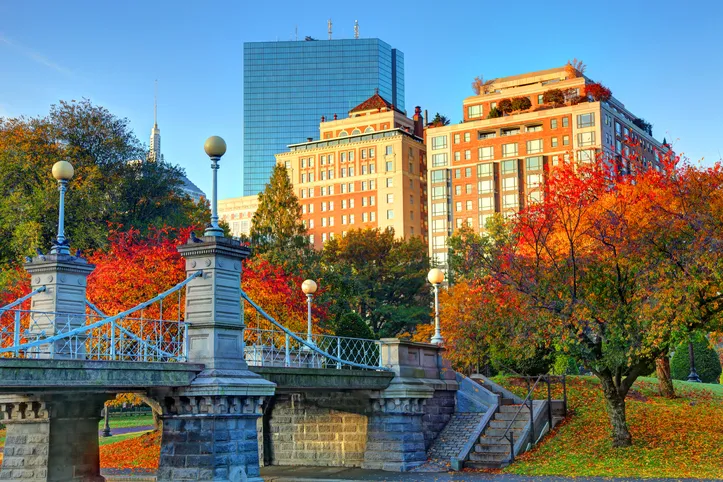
{"x":369,"y":129}
{"x":343,"y":134}
{"x":355,"y":132}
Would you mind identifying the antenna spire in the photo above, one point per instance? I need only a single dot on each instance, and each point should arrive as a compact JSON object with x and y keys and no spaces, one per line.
{"x":155,"y":104}
{"x":356,"y":29}
{"x":329,"y":23}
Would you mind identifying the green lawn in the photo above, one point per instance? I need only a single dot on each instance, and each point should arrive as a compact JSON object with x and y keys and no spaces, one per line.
{"x":119,"y":438}
{"x":678,"y":438}
{"x":134,"y":421}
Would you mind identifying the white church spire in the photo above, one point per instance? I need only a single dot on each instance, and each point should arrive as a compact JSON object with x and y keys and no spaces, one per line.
{"x":155,"y":150}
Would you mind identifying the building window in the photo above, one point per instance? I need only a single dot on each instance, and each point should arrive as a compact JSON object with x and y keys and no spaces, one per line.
{"x":439,"y":142}
{"x":533,"y":129}
{"x":303,"y":178}
{"x":390,"y":213}
{"x":458,"y":190}
{"x":467,"y":155}
{"x":533,"y":163}
{"x":363,"y":169}
{"x":389,"y":165}
{"x":311,"y":224}
{"x":617,"y":128}
{"x":509,"y":183}
{"x":468,"y":205}
{"x":439,"y":160}
{"x":459,"y":222}
{"x":486,"y":186}
{"x":390,"y":182}
{"x":439,"y":192}
{"x":586,"y":139}
{"x":509,"y":150}
{"x":363,"y":153}
{"x":468,"y":188}
{"x":439,"y":209}
{"x":553,"y":142}
{"x":351,"y":219}
{"x":509,"y":167}
{"x":510,"y":132}
{"x":534,"y":146}
{"x":456,"y":138}
{"x":389,"y":150}
{"x":457,"y":156}
{"x":457,"y":173}
{"x":486,"y":135}
{"x":390,"y":198}
{"x":323,"y":222}
{"x":565,"y":121}
{"x":533,"y":180}
{"x":485,"y":170}
{"x":586,"y":155}
{"x":565,"y":140}
{"x":510,"y":201}
{"x":351,"y":203}
{"x":467,"y":137}
{"x":474,"y":111}
{"x":373,"y":216}
{"x":364,"y":217}
{"x":411,"y":199}
{"x":372,"y":168}
{"x":311,"y":239}
{"x":458,"y":206}
{"x":486,"y":153}
{"x":467,"y":172}
{"x":539,"y":99}
{"x":343,"y":219}
{"x":586,"y":120}
{"x":486,"y":203}
{"x":553,"y":123}
{"x":618,"y":146}
{"x":411,"y":215}
{"x":351,"y":171}
{"x":343,"y":157}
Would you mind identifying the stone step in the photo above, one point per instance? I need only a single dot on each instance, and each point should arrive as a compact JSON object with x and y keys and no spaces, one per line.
{"x":499,"y":432}
{"x":507,"y":401}
{"x":485,"y":465}
{"x":488,"y":457}
{"x":486,"y":447}
{"x":523,"y":415}
{"x":513,"y":408}
{"x":503,"y":424}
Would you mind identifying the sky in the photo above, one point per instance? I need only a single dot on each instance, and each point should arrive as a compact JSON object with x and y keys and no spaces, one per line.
{"x":663,"y":59}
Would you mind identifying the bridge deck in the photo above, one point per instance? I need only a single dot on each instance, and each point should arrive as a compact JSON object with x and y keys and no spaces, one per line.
{"x":288,"y":378}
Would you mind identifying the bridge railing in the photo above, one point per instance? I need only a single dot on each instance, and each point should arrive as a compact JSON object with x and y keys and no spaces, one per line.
{"x":127,"y":336}
{"x":281,"y":347}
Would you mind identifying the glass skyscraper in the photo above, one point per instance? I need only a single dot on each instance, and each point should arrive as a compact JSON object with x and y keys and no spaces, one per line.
{"x":289,"y":85}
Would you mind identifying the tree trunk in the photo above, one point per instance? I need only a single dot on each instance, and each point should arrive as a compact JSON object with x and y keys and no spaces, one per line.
{"x":665,"y":381}
{"x":616,"y":412}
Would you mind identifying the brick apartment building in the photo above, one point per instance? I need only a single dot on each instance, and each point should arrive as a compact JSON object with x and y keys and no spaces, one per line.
{"x":365,"y":171}
{"x":493,"y":165}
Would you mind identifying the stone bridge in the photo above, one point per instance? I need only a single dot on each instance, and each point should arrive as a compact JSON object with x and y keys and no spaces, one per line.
{"x":221,"y":418}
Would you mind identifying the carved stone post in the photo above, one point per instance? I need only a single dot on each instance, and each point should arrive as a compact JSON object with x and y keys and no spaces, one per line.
{"x":52,"y":438}
{"x":209,"y":428}
{"x":61,"y":307}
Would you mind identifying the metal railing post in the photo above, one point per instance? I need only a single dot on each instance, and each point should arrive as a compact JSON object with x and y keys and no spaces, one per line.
{"x":512,"y":446}
{"x":287,"y":354}
{"x":338,"y":352}
{"x":16,"y":335}
{"x":564,"y":393}
{"x":185,"y":342}
{"x":532,"y":421}
{"x":549,"y":402}
{"x":112,"y":340}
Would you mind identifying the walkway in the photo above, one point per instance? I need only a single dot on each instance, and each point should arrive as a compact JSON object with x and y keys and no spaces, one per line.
{"x":334,"y":474}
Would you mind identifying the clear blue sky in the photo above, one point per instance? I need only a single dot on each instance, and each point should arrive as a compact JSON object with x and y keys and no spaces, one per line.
{"x":663,"y":59}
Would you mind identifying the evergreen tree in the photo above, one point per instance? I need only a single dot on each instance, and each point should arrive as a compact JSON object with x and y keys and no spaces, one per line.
{"x":276,"y":228}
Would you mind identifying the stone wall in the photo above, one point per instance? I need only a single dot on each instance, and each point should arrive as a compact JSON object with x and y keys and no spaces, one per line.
{"x":316,"y":429}
{"x":438,"y":411}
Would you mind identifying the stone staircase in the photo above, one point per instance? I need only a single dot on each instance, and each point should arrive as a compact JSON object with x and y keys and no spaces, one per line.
{"x":492,"y":449}
{"x":451,"y":440}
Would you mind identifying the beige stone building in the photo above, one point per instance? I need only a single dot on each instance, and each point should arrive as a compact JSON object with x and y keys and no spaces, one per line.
{"x":237,"y":212}
{"x":365,"y":171}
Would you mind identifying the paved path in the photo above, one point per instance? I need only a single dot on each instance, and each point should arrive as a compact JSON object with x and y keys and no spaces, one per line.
{"x":335,"y":474}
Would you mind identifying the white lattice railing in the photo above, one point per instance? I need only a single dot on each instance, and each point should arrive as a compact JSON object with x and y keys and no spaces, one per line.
{"x":281,"y":347}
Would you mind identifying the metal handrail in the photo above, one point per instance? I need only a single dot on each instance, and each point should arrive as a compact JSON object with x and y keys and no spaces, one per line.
{"x":95,"y":308}
{"x":310,"y":346}
{"x":15,"y":303}
{"x":524,"y":404}
{"x":104,"y":321}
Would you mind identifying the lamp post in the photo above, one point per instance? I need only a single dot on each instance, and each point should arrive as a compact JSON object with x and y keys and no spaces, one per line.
{"x":215,"y":147}
{"x":63,"y":172}
{"x":693,"y":375}
{"x":436,"y":276}
{"x":106,"y":429}
{"x":309,"y":288}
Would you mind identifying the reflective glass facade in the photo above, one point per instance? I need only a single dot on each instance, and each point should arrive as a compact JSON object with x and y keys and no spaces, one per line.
{"x":288,"y":86}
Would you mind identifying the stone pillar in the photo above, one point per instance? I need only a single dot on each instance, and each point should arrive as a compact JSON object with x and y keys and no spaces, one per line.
{"x":62,"y":304}
{"x":395,"y":436}
{"x":51,"y":439}
{"x":210,"y":427}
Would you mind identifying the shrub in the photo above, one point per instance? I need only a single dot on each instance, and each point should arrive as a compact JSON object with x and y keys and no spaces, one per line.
{"x":553,"y":96}
{"x":578,"y":99}
{"x":521,"y":103}
{"x":707,"y":363}
{"x":644,"y":125}
{"x":494,"y":113}
{"x":538,"y":362}
{"x":353,"y":326}
{"x":505,"y":106}
{"x":565,"y":365}
{"x":598,"y":92}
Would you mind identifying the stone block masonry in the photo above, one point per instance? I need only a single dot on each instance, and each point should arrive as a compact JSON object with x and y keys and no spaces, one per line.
{"x":438,"y":411}
{"x":316,"y":429}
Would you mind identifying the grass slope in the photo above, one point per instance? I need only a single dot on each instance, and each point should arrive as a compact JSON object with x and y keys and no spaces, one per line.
{"x":677,"y":438}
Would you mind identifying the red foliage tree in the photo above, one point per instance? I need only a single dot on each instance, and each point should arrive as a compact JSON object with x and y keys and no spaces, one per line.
{"x":598,"y":92}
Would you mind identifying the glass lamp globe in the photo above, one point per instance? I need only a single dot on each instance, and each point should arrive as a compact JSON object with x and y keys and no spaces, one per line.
{"x":215,"y":146}
{"x":435,"y":276}
{"x":309,"y":287}
{"x":63,"y":171}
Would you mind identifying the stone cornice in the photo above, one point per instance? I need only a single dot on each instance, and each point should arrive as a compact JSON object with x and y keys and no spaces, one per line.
{"x":214,"y":246}
{"x":59,"y":264}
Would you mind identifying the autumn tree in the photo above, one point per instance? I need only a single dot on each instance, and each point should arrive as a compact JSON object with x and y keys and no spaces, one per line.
{"x":481,"y":86}
{"x":597,"y":92}
{"x":505,"y":106}
{"x":381,"y":278}
{"x":575,"y":68}
{"x":277,"y":231}
{"x":553,"y":96}
{"x":521,"y":103}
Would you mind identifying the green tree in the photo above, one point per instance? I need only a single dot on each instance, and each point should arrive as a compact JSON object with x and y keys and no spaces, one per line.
{"x":112,"y":183}
{"x":277,"y":231}
{"x":439,"y":120}
{"x":380,"y":277}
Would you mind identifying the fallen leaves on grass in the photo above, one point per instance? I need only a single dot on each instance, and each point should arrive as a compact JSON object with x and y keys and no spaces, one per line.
{"x":137,"y":453}
{"x":678,"y":438}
